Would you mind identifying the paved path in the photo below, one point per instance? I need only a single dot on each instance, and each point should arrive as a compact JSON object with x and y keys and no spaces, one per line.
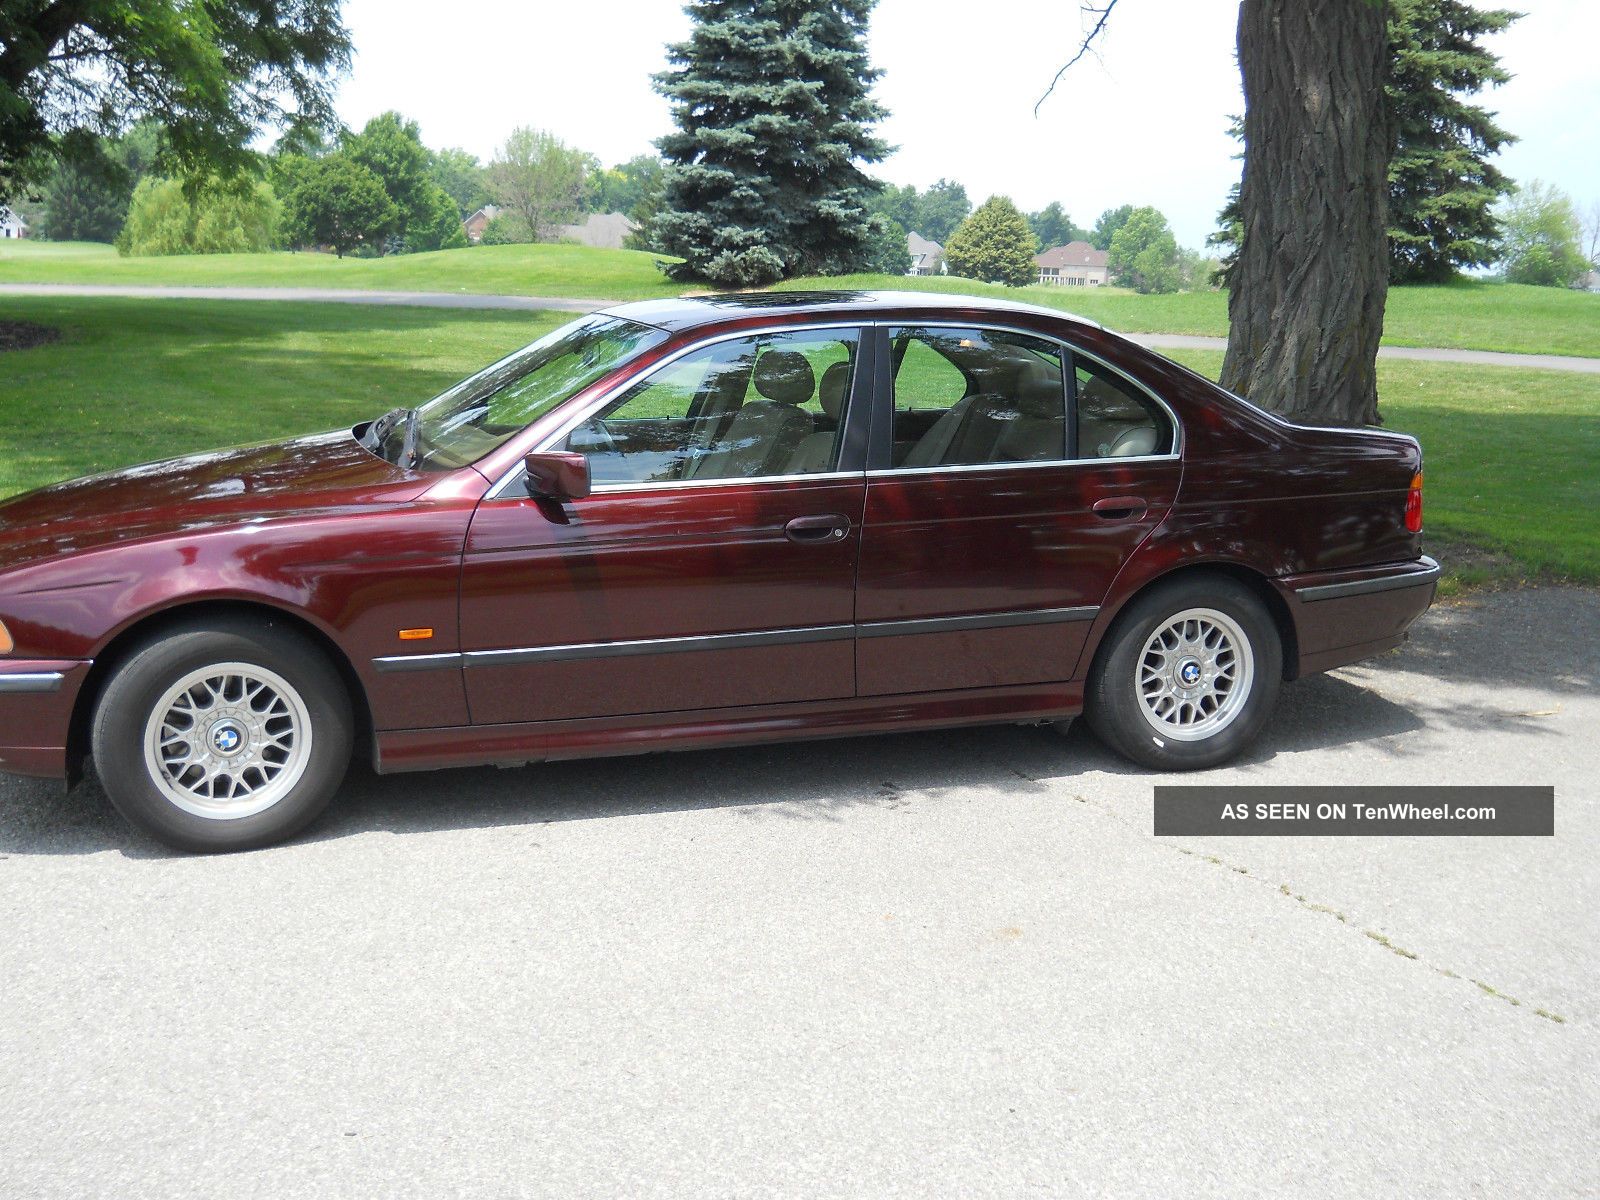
{"x":945,"y":964}
{"x":1159,"y":341}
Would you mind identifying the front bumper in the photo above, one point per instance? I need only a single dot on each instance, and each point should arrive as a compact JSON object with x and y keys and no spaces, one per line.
{"x":37,"y":698}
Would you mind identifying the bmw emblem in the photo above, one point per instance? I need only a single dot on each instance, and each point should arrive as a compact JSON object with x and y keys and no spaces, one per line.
{"x":1189,"y":673}
{"x":226,"y":738}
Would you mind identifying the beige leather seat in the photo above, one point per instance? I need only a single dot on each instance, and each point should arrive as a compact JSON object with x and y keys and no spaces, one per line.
{"x":816,"y":451}
{"x":1112,"y":424}
{"x":765,"y":433}
{"x":1027,"y":424}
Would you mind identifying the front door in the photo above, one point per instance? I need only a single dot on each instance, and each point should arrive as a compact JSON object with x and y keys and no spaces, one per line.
{"x":713,"y":566}
{"x":1009,"y":483}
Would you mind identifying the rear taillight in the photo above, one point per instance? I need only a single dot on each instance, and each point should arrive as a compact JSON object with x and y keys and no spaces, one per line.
{"x":1414,"y":504}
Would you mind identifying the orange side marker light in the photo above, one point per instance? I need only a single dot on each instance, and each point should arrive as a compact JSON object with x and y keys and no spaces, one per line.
{"x":415,"y":635}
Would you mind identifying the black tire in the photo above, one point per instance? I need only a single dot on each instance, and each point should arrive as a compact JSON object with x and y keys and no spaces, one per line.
{"x":1116,"y":710}
{"x":315,"y":695}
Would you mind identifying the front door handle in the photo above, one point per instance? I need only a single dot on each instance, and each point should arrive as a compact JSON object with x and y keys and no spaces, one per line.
{"x":1119,"y":508}
{"x":814,"y":531}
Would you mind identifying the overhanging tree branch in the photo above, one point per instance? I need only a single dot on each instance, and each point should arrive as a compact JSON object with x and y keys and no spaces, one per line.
{"x":1102,"y":14}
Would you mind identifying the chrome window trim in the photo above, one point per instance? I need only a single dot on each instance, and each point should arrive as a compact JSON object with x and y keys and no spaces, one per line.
{"x":971,"y":468}
{"x":505,"y":482}
{"x":31,"y":682}
{"x":675,"y":484}
{"x":796,"y":635}
{"x":1178,"y":437}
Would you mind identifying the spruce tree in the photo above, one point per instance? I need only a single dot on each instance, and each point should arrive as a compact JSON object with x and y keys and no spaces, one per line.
{"x":772,"y":100}
{"x":1442,"y":187}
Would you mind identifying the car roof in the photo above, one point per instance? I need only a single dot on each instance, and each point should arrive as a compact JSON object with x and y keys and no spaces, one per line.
{"x":691,"y":312}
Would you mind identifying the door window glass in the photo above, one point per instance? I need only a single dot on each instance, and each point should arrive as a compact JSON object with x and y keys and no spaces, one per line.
{"x":965,"y":397}
{"x":1116,"y":419}
{"x":768,"y":405}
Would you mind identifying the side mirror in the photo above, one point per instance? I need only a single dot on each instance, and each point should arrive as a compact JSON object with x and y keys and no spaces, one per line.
{"x":557,"y":476}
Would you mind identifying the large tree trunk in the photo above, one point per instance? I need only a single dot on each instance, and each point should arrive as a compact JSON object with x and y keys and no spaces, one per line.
{"x":1306,"y":308}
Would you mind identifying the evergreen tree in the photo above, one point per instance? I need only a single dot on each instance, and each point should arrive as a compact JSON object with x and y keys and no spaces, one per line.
{"x":772,"y":100}
{"x":993,"y":245}
{"x":1442,"y":187}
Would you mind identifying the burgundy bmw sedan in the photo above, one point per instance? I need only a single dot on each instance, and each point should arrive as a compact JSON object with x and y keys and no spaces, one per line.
{"x":693,"y":523}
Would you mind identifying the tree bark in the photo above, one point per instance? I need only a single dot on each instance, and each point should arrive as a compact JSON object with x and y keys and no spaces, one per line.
{"x":1305,"y":312}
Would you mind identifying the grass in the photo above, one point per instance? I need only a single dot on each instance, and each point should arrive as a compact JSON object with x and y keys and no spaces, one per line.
{"x":563,"y":271}
{"x":133,"y":381}
{"x":1511,"y":454}
{"x":1470,"y":314}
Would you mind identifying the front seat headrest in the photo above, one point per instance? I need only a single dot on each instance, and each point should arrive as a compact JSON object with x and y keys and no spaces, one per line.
{"x":831,"y":394}
{"x":1039,"y":391}
{"x":785,"y":376}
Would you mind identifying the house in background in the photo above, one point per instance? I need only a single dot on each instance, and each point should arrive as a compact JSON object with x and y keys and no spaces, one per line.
{"x":478,"y":222}
{"x":604,"y":231}
{"x":11,"y":225}
{"x":1077,"y":264}
{"x":927,"y":258}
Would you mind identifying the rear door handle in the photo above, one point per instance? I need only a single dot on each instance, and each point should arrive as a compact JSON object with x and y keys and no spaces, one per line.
{"x":1119,"y":508}
{"x":814,"y":531}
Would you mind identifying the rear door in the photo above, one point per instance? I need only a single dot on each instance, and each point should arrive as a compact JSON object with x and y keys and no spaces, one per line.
{"x":999,"y":509}
{"x":713,"y":566}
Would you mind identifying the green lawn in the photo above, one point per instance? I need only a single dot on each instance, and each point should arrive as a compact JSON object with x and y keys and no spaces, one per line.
{"x":1511,"y":454}
{"x":133,"y":381}
{"x":563,"y":271}
{"x":1467,"y":315}
{"x":1510,"y":458}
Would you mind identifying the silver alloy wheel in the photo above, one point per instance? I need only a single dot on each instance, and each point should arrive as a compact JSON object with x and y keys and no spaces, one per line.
{"x":1194,"y":675}
{"x":228,"y":741}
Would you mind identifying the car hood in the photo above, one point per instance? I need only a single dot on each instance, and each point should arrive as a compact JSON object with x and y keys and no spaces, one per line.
{"x":310,"y":474}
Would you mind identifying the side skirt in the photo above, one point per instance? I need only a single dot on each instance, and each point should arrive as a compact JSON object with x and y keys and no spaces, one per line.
{"x":548,"y":741}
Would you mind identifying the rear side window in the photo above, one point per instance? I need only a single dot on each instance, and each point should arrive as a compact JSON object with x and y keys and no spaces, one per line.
{"x":970,"y":397}
{"x":1114,"y":418}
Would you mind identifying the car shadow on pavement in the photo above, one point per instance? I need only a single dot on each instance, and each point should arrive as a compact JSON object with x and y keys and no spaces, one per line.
{"x":817,"y":780}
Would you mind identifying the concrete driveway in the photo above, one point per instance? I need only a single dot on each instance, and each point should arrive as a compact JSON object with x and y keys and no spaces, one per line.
{"x":948,"y":964}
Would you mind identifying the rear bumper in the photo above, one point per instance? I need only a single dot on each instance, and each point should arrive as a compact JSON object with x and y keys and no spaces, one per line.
{"x":36,"y":703}
{"x":1343,"y":617}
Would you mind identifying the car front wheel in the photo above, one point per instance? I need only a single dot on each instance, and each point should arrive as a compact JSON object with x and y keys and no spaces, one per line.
{"x":223,"y":738}
{"x":1188,"y":676}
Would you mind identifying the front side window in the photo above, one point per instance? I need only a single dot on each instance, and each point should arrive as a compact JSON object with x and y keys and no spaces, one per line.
{"x":481,"y":413}
{"x":967,"y":397}
{"x":772,"y":404}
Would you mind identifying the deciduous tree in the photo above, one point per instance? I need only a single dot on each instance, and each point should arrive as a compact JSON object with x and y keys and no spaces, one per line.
{"x":1543,"y":238}
{"x":338,"y":202}
{"x":540,"y":179}
{"x":167,"y":217}
{"x":1144,"y":254}
{"x":213,"y":73}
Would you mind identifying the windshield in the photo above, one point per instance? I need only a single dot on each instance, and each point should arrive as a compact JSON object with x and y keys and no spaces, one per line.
{"x":471,"y":419}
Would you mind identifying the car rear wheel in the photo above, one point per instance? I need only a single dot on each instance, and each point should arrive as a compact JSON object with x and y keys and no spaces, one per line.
{"x":1188,"y":675}
{"x":223,"y":738}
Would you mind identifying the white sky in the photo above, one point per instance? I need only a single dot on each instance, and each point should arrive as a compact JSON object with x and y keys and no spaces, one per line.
{"x":1145,"y":124}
